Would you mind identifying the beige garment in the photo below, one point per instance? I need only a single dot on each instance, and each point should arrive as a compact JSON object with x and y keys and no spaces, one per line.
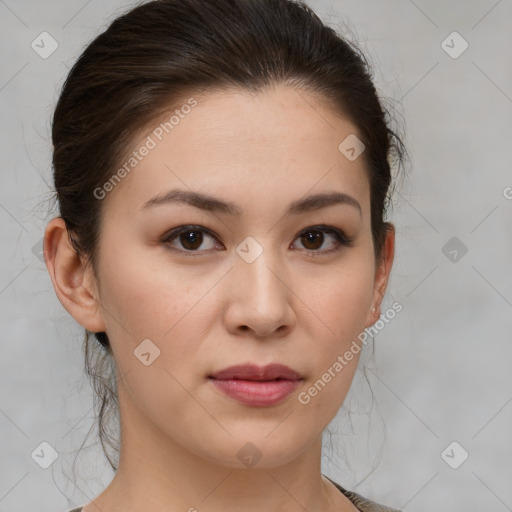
{"x":363,"y":504}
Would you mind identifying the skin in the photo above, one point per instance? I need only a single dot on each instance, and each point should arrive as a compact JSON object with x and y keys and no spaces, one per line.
{"x":180,"y":435}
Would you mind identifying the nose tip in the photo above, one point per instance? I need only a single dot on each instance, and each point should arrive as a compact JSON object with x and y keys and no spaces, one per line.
{"x":259,"y":299}
{"x":263,"y":330}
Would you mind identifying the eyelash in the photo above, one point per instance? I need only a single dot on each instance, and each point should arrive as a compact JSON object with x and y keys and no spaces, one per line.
{"x":340,"y":237}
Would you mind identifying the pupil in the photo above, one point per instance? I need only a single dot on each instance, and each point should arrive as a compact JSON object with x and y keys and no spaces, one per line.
{"x":191,"y":239}
{"x":313,"y":237}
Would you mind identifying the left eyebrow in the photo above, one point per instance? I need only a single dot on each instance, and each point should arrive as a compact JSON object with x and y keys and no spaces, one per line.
{"x":214,"y":204}
{"x":318,"y":201}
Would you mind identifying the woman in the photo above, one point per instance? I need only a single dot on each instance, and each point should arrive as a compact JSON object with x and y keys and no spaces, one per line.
{"x":222,"y":171}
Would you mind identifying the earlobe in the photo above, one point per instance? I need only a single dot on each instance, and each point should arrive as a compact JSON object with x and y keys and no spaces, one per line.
{"x":71,"y":278}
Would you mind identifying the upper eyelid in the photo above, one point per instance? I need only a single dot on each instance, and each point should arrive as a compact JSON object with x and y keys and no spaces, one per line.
{"x":192,"y":227}
{"x":188,"y":227}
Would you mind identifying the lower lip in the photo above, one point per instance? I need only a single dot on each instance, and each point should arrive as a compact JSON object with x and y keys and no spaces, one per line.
{"x":257,"y":393}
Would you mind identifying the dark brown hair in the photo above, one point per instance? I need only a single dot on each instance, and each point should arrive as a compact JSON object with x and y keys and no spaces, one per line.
{"x":159,"y":52}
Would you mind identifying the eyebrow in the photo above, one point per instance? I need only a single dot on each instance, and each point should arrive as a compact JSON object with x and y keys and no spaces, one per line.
{"x":214,"y":204}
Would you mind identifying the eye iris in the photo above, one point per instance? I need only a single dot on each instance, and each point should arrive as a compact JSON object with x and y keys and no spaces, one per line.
{"x":195,"y":238}
{"x":314,"y":237}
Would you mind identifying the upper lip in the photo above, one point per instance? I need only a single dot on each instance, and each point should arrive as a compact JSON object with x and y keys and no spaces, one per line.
{"x":253,"y":372}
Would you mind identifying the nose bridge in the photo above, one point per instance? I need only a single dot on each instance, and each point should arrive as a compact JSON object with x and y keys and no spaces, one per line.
{"x":253,"y":267}
{"x":262,"y":298}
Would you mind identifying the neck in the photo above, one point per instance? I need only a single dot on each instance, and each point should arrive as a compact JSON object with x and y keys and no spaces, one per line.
{"x":156,"y":473}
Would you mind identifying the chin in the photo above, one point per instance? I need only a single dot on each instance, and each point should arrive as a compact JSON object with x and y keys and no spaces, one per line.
{"x":255,"y":451}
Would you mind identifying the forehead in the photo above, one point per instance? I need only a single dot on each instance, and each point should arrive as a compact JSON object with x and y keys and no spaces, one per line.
{"x":272,"y":144}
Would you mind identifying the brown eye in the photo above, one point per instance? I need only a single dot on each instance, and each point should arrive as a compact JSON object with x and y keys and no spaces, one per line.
{"x":188,"y":239}
{"x":312,"y":240}
{"x":191,"y":240}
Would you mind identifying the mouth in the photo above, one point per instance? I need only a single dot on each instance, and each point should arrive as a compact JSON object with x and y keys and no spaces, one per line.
{"x":257,"y":386}
{"x":257,"y":373}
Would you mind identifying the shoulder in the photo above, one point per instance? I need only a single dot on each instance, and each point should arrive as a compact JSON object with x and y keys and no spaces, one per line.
{"x":363,"y":504}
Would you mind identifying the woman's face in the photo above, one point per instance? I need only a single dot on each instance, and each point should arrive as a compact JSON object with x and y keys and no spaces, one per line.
{"x":254,"y":283}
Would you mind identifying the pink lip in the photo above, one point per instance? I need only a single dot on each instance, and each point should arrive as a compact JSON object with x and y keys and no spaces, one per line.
{"x":253,"y":372}
{"x":257,"y":386}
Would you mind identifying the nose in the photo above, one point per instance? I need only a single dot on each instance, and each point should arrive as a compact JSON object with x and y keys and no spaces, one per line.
{"x":259,"y":298}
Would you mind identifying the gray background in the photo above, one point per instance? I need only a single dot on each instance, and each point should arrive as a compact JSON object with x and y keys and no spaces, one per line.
{"x":441,"y":371}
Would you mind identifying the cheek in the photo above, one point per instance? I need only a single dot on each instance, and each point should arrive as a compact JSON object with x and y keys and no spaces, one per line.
{"x":146,"y":300}
{"x":171,"y":307}
{"x":341,"y":297}
{"x":161,"y":307}
{"x":341,"y":302}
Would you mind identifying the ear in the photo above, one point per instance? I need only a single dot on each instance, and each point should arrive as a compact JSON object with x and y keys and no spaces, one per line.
{"x":382,"y":271}
{"x":72,"y":279}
